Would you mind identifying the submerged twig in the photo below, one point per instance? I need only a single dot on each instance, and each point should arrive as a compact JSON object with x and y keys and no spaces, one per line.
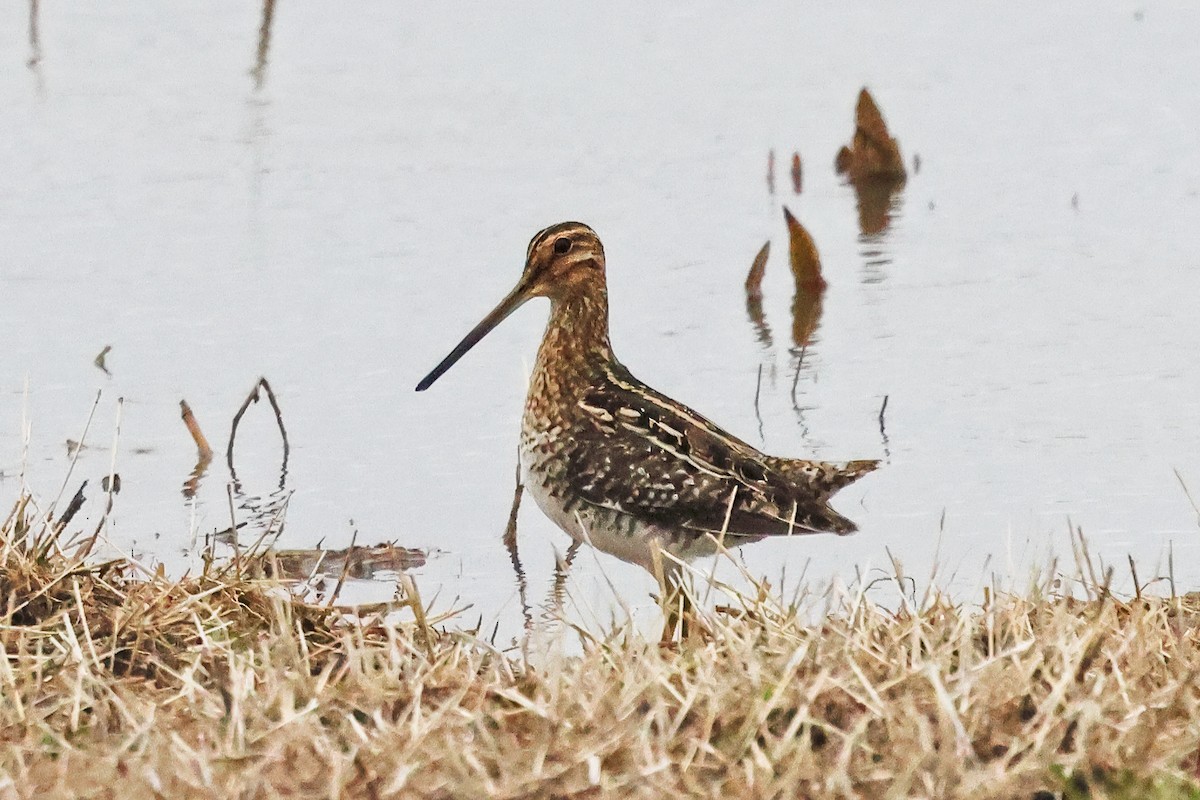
{"x":253,"y":397}
{"x":99,"y":360}
{"x":203,"y":449}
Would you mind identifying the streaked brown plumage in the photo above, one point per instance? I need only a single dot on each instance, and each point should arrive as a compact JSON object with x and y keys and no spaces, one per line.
{"x":620,"y":466}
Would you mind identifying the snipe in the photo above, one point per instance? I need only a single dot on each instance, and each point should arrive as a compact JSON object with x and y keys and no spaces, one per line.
{"x":622,"y":467}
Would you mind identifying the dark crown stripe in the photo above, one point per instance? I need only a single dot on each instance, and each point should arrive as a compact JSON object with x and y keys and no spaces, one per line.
{"x":553,"y":230}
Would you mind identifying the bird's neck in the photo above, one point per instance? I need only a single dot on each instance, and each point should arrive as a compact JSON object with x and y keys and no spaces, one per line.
{"x":575,"y":344}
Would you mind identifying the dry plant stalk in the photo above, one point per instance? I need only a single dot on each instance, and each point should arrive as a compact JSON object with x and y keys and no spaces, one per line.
{"x":203,"y":450}
{"x":253,"y":397}
{"x":259,"y":71}
{"x":808,"y":301}
{"x":223,"y":684}
{"x":873,"y":154}
{"x":758,"y":269}
{"x":803,"y":256}
{"x":754,"y":296}
{"x":99,"y":360}
{"x":71,"y":510}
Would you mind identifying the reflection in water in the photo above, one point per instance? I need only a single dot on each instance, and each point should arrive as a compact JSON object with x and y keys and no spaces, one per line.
{"x":552,"y":610}
{"x":35,"y":45}
{"x":757,"y":394}
{"x":807,"y":302}
{"x":556,"y":601}
{"x":874,"y":166}
{"x":510,"y":544}
{"x":204,"y":452}
{"x":257,"y":138}
{"x":806,"y":316}
{"x":357,"y":562}
{"x":805,"y":262}
{"x":879,"y":203}
{"x":264,"y":44}
{"x":796,"y":376}
{"x":799,"y":354}
{"x":887,"y":450}
{"x":266,"y":512}
{"x":262,"y":515}
{"x":771,"y":171}
{"x":754,"y":296}
{"x":797,"y":174}
{"x":878,"y":200}
{"x":191,"y":484}
{"x":35,"y":49}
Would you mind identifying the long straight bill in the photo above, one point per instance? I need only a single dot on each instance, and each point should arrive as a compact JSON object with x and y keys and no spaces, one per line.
{"x":508,"y":305}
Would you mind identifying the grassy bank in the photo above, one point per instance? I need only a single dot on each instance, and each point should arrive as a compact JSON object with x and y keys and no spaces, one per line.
{"x":115,"y":683}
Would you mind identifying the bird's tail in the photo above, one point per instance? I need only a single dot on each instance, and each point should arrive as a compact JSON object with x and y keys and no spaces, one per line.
{"x":823,"y":477}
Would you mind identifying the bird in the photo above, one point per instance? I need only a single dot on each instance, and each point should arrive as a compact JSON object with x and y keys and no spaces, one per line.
{"x":622,"y":467}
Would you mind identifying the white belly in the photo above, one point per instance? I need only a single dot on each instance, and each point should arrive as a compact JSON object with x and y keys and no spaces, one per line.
{"x":611,"y":531}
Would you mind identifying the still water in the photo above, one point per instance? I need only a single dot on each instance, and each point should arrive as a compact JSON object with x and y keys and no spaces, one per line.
{"x":334,"y":205}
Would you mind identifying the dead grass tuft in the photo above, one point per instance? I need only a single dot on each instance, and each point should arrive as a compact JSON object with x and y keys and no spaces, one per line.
{"x":117,"y":683}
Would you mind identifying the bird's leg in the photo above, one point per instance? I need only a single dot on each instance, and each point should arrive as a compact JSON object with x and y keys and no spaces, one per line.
{"x":663,"y":574}
{"x":673,"y":616}
{"x":678,"y":609}
{"x":687,"y":610}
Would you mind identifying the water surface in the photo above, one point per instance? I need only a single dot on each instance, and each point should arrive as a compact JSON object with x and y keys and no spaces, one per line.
{"x":336,"y":219}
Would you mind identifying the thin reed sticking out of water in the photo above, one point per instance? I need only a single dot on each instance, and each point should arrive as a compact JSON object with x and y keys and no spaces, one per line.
{"x":253,"y":397}
{"x":259,"y":71}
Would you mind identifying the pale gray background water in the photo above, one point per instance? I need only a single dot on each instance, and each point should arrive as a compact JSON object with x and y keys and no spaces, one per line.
{"x":339,"y":228}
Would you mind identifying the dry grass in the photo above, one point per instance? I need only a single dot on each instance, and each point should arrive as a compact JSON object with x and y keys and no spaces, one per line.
{"x":114,"y":684}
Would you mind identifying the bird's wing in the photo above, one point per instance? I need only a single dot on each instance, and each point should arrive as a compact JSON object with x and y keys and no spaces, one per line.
{"x":661,"y":462}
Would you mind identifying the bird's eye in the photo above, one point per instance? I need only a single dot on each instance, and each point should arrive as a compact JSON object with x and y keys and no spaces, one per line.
{"x":561,"y":245}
